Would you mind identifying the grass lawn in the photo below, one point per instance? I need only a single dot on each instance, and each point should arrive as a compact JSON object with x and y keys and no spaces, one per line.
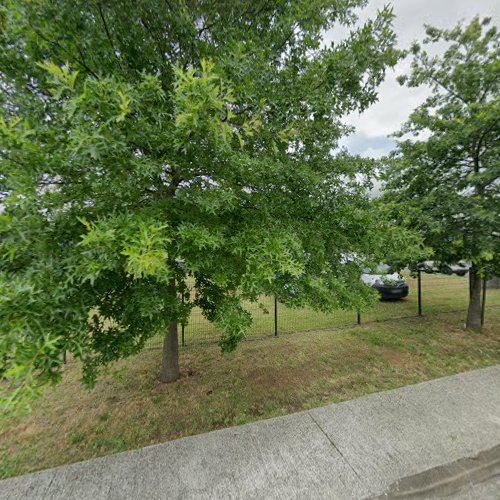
{"x":440,"y":293}
{"x":264,"y":378}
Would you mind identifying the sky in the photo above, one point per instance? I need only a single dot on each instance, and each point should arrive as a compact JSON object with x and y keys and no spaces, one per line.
{"x":396,"y":102}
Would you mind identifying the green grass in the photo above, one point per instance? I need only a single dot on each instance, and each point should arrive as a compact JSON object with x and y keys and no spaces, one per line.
{"x":128,"y":408}
{"x":440,"y":293}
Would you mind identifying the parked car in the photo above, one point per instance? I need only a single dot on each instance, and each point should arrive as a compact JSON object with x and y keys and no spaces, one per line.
{"x":389,"y":286}
{"x":461,"y":268}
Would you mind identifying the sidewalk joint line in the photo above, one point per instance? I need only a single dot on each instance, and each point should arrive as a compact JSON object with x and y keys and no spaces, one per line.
{"x":335,"y":446}
{"x":50,"y":484}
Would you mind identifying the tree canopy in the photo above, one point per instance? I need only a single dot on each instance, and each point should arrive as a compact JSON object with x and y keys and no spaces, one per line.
{"x":445,"y":171}
{"x":150,"y":147}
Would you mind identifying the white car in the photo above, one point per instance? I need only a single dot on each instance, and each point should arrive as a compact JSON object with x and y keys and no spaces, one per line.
{"x":461,"y":268}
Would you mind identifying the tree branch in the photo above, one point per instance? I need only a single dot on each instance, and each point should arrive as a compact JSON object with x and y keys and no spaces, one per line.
{"x":438,"y":82}
{"x":108,"y":34}
{"x":66,"y":51}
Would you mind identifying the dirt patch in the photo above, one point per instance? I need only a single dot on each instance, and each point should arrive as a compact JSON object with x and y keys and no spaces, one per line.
{"x":400,"y":358}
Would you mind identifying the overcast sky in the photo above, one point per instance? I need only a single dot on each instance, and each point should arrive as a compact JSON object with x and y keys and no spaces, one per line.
{"x":396,"y":102}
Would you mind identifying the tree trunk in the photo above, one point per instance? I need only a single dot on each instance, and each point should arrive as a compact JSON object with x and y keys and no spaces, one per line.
{"x":170,"y":363}
{"x":474,"y":312}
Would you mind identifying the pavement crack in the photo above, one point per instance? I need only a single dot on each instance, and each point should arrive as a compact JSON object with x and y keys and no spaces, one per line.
{"x":49,"y":485}
{"x":335,"y":446}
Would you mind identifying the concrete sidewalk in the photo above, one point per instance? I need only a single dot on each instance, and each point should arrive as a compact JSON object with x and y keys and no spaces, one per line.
{"x":420,"y":441}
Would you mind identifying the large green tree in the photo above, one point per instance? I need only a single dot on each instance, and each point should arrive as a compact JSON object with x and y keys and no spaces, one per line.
{"x":446,"y":172}
{"x":159,"y":155}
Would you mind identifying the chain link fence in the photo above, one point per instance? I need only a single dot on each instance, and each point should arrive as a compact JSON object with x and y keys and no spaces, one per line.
{"x":438,"y":293}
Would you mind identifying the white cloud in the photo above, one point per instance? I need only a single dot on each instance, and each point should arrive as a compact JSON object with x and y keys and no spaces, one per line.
{"x":391,"y":110}
{"x":395,"y":102}
{"x":375,"y":152}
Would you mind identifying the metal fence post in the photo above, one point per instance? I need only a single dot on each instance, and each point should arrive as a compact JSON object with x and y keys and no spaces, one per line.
{"x":419,"y":286}
{"x":358,"y":317}
{"x":483,"y":302}
{"x":275,"y":316}
{"x":182,"y":324}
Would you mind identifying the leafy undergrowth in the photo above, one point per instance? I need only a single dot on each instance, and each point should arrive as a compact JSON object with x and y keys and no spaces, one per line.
{"x":264,"y":378}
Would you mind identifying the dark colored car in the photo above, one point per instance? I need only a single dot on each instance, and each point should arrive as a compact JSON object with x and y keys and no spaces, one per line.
{"x":389,"y":286}
{"x":398,"y":290}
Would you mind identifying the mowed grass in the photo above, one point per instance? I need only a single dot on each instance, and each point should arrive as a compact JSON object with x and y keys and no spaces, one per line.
{"x":264,"y":378}
{"x":440,"y":293}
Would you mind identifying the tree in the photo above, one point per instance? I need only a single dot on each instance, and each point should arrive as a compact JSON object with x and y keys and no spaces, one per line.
{"x":446,"y":175}
{"x":150,"y":147}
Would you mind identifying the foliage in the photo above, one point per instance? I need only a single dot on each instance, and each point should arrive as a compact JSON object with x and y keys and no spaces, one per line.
{"x":148,"y":144}
{"x":445,"y":171}
{"x":128,"y":410}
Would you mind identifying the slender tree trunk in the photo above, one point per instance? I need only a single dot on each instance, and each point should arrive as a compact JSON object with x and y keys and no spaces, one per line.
{"x":483,"y":302}
{"x":475,"y":281}
{"x":170,"y":361}
{"x":474,"y":312}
